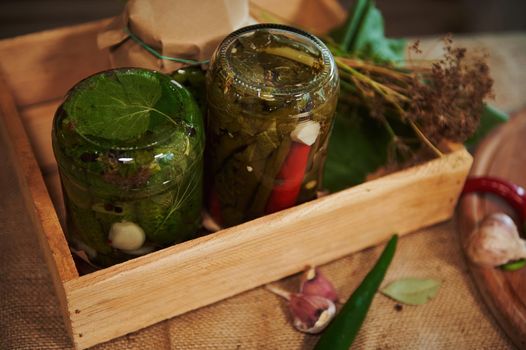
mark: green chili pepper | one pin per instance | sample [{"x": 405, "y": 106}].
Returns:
[{"x": 343, "y": 329}]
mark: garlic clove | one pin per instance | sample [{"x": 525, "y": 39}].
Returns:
[
  {"x": 311, "y": 313},
  {"x": 126, "y": 235},
  {"x": 496, "y": 241},
  {"x": 306, "y": 132},
  {"x": 313, "y": 282}
]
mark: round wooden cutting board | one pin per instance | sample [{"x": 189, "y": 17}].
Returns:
[{"x": 502, "y": 154}]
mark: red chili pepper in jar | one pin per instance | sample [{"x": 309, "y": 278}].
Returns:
[{"x": 290, "y": 177}]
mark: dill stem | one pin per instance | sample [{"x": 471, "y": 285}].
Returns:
[
  {"x": 390, "y": 95},
  {"x": 396, "y": 74},
  {"x": 384, "y": 90},
  {"x": 389, "y": 129},
  {"x": 425, "y": 140}
]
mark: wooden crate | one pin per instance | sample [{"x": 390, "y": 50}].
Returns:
[{"x": 36, "y": 70}]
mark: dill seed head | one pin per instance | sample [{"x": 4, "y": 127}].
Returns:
[{"x": 447, "y": 100}]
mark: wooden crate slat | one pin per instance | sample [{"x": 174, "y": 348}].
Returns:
[
  {"x": 127, "y": 297},
  {"x": 44, "y": 66}
]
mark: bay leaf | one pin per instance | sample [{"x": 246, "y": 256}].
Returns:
[{"x": 412, "y": 291}]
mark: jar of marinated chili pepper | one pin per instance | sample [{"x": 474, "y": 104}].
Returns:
[
  {"x": 272, "y": 92},
  {"x": 129, "y": 146}
]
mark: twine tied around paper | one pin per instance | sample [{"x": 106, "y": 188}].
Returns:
[{"x": 157, "y": 54}]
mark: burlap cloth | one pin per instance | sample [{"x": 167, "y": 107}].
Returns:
[{"x": 456, "y": 318}]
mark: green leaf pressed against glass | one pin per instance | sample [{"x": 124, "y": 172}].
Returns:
[
  {"x": 116, "y": 107},
  {"x": 167, "y": 217}
]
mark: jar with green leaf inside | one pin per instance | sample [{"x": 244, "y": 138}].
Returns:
[
  {"x": 271, "y": 92},
  {"x": 129, "y": 147}
]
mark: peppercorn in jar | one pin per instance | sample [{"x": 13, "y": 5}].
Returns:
[{"x": 272, "y": 92}]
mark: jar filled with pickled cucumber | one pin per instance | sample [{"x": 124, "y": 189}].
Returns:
[
  {"x": 129, "y": 147},
  {"x": 272, "y": 92}
]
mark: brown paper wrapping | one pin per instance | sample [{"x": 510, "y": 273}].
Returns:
[
  {"x": 193, "y": 29},
  {"x": 315, "y": 16},
  {"x": 175, "y": 28}
]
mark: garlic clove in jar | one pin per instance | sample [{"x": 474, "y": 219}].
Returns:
[
  {"x": 126, "y": 235},
  {"x": 496, "y": 241},
  {"x": 306, "y": 132}
]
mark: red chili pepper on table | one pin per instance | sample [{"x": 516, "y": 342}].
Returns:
[{"x": 513, "y": 194}]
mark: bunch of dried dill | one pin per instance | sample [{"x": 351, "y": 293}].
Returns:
[{"x": 421, "y": 104}]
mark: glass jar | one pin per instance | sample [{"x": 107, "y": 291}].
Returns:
[
  {"x": 272, "y": 92},
  {"x": 129, "y": 147}
]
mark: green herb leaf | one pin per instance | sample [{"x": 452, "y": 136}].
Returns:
[
  {"x": 412, "y": 291},
  {"x": 357, "y": 147},
  {"x": 114, "y": 106},
  {"x": 372, "y": 43},
  {"x": 490, "y": 119},
  {"x": 346, "y": 34},
  {"x": 363, "y": 35}
]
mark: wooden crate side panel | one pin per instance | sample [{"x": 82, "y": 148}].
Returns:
[
  {"x": 54, "y": 188},
  {"x": 44, "y": 66},
  {"x": 42, "y": 216},
  {"x": 38, "y": 121},
  {"x": 53, "y": 240},
  {"x": 124, "y": 298}
]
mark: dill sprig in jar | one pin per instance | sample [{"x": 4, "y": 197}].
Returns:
[
  {"x": 129, "y": 147},
  {"x": 272, "y": 92}
]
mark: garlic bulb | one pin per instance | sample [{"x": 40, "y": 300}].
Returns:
[{"x": 496, "y": 241}]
